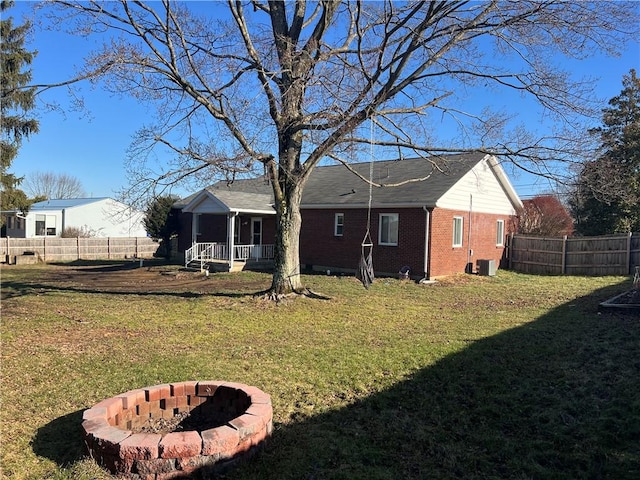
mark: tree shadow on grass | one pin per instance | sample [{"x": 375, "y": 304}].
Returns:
[
  {"x": 556, "y": 398},
  {"x": 61, "y": 440},
  {"x": 18, "y": 289}
]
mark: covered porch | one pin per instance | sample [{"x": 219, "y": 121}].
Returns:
[{"x": 230, "y": 231}]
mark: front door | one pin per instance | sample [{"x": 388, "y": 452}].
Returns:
[{"x": 256, "y": 237}]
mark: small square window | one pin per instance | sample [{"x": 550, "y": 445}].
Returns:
[
  {"x": 338, "y": 230},
  {"x": 388, "y": 230},
  {"x": 457, "y": 231}
]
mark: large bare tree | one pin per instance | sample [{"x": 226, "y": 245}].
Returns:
[
  {"x": 286, "y": 85},
  {"x": 51, "y": 185}
]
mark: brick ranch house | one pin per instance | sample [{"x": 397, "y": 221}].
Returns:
[{"x": 461, "y": 213}]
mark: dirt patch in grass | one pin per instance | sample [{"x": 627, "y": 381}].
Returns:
[{"x": 130, "y": 277}]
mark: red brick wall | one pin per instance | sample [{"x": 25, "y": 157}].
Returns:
[
  {"x": 319, "y": 246},
  {"x": 447, "y": 260}
]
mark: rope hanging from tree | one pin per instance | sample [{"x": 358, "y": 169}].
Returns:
[{"x": 365, "y": 267}]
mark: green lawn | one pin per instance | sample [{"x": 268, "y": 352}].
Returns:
[{"x": 513, "y": 376}]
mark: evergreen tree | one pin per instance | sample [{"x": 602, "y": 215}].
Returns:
[
  {"x": 17, "y": 99},
  {"x": 607, "y": 194},
  {"x": 161, "y": 222}
]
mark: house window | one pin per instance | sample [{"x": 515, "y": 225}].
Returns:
[
  {"x": 500, "y": 233},
  {"x": 388, "y": 231},
  {"x": 457, "y": 231},
  {"x": 46, "y": 225},
  {"x": 41, "y": 225},
  {"x": 11, "y": 222},
  {"x": 338, "y": 225}
]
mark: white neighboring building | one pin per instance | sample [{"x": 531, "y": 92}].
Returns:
[{"x": 102, "y": 217}]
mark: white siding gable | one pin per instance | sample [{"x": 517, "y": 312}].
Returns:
[
  {"x": 479, "y": 190},
  {"x": 207, "y": 203}
]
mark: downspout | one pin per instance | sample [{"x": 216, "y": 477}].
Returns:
[
  {"x": 469, "y": 250},
  {"x": 427, "y": 244}
]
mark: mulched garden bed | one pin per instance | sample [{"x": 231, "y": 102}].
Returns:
[{"x": 629, "y": 300}]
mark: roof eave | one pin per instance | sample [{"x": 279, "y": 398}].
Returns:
[{"x": 504, "y": 181}]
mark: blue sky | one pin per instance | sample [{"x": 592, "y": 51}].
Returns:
[{"x": 91, "y": 145}]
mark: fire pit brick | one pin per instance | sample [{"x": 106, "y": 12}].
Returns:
[
  {"x": 110, "y": 441},
  {"x": 180, "y": 445},
  {"x": 220, "y": 440}
]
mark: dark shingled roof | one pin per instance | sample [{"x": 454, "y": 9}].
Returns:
[{"x": 336, "y": 185}]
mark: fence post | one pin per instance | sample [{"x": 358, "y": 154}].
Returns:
[
  {"x": 510, "y": 251},
  {"x": 44, "y": 248},
  {"x": 629, "y": 266},
  {"x": 564, "y": 255}
]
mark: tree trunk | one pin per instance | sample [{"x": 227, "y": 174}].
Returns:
[{"x": 286, "y": 275}]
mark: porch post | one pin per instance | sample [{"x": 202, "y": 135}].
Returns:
[
  {"x": 231, "y": 224},
  {"x": 195, "y": 220}
]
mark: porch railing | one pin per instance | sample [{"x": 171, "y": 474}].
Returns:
[{"x": 204, "y": 252}]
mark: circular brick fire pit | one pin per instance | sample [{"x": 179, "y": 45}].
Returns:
[{"x": 236, "y": 421}]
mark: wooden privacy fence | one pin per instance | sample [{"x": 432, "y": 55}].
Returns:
[
  {"x": 55, "y": 249},
  {"x": 602, "y": 255}
]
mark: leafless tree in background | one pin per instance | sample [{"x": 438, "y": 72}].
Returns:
[
  {"x": 52, "y": 186},
  {"x": 283, "y": 86}
]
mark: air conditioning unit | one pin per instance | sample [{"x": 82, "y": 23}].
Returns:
[{"x": 487, "y": 267}]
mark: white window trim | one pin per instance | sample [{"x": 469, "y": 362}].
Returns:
[
  {"x": 397, "y": 221},
  {"x": 337, "y": 224},
  {"x": 500, "y": 233},
  {"x": 453, "y": 240}
]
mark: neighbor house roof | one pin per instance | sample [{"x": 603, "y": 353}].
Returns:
[
  {"x": 334, "y": 185},
  {"x": 62, "y": 203}
]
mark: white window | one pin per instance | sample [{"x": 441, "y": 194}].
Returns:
[
  {"x": 338, "y": 225},
  {"x": 457, "y": 231},
  {"x": 388, "y": 231},
  {"x": 51, "y": 225},
  {"x": 500, "y": 233}
]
